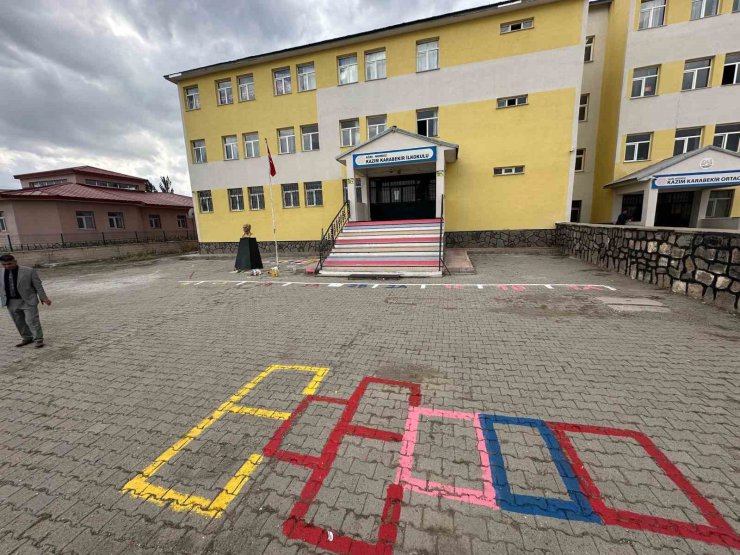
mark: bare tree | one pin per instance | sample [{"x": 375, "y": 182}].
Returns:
[{"x": 165, "y": 184}]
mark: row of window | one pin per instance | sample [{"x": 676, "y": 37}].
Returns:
[
  {"x": 696, "y": 75},
  {"x": 46, "y": 182},
  {"x": 313, "y": 195},
  {"x": 652, "y": 12},
  {"x": 86, "y": 220},
  {"x": 719, "y": 205},
  {"x": 726, "y": 136},
  {"x": 427, "y": 59}
]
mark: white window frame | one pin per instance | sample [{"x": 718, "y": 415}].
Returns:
[
  {"x": 375, "y": 129},
  {"x": 199, "y": 151},
  {"x": 714, "y": 202},
  {"x": 306, "y": 75},
  {"x": 512, "y": 101},
  {"x": 580, "y": 157},
  {"x": 114, "y": 218},
  {"x": 155, "y": 218},
  {"x": 702, "y": 11},
  {"x": 236, "y": 199},
  {"x": 375, "y": 66},
  {"x": 520, "y": 25},
  {"x": 695, "y": 72},
  {"x": 224, "y": 95},
  {"x": 246, "y": 87},
  {"x": 231, "y": 147},
  {"x": 652, "y": 19},
  {"x": 311, "y": 188},
  {"x": 312, "y": 136},
  {"x": 684, "y": 141},
  {"x": 3, "y": 224},
  {"x": 427, "y": 55},
  {"x": 349, "y": 135},
  {"x": 293, "y": 194},
  {"x": 251, "y": 145},
  {"x": 636, "y": 146},
  {"x": 725, "y": 136},
  {"x": 434, "y": 119},
  {"x": 205, "y": 202},
  {"x": 345, "y": 190},
  {"x": 508, "y": 170},
  {"x": 256, "y": 197},
  {"x": 86, "y": 218},
  {"x": 583, "y": 107},
  {"x": 192, "y": 99},
  {"x": 351, "y": 72},
  {"x": 588, "y": 54},
  {"x": 729, "y": 64},
  {"x": 281, "y": 81},
  {"x": 286, "y": 142},
  {"x": 182, "y": 221},
  {"x": 643, "y": 79}
]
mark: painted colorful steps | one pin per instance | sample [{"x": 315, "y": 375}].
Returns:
[{"x": 397, "y": 247}]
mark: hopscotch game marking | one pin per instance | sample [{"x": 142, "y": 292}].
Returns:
[{"x": 585, "y": 503}]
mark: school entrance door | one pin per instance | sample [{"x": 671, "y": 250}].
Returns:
[{"x": 403, "y": 197}]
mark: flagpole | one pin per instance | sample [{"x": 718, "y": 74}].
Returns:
[{"x": 272, "y": 208}]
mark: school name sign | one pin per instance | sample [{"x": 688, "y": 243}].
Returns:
[
  {"x": 702, "y": 179},
  {"x": 392, "y": 157}
]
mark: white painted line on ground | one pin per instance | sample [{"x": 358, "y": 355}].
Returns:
[{"x": 360, "y": 285}]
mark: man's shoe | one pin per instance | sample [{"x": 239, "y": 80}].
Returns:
[
  {"x": 39, "y": 343},
  {"x": 25, "y": 342}
]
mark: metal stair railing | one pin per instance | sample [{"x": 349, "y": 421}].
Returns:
[{"x": 328, "y": 238}]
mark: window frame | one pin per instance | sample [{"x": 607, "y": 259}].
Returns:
[
  {"x": 3, "y": 223},
  {"x": 313, "y": 137},
  {"x": 627, "y": 144},
  {"x": 248, "y": 87},
  {"x": 231, "y": 149},
  {"x": 643, "y": 80},
  {"x": 435, "y": 119},
  {"x": 652, "y": 9},
  {"x": 376, "y": 125},
  {"x": 254, "y": 144},
  {"x": 195, "y": 98},
  {"x": 345, "y": 190},
  {"x": 356, "y": 66},
  {"x": 114, "y": 217},
  {"x": 313, "y": 194},
  {"x": 283, "y": 80},
  {"x": 524, "y": 25},
  {"x": 229, "y": 92},
  {"x": 685, "y": 140},
  {"x": 577, "y": 207},
  {"x": 584, "y": 107},
  {"x": 354, "y": 136},
  {"x": 259, "y": 196},
  {"x": 713, "y": 202},
  {"x": 156, "y": 218},
  {"x": 196, "y": 149},
  {"x": 207, "y": 196},
  {"x": 235, "y": 194},
  {"x": 297, "y": 197},
  {"x": 182, "y": 219},
  {"x": 629, "y": 207},
  {"x": 425, "y": 54},
  {"x": 580, "y": 155},
  {"x": 702, "y": 10},
  {"x": 503, "y": 102},
  {"x": 310, "y": 74},
  {"x": 502, "y": 171},
  {"x": 589, "y": 49},
  {"x": 85, "y": 216},
  {"x": 729, "y": 64},
  {"x": 288, "y": 137},
  {"x": 374, "y": 64},
  {"x": 695, "y": 73},
  {"x": 726, "y": 135}
]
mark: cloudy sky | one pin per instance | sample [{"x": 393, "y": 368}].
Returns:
[{"x": 82, "y": 80}]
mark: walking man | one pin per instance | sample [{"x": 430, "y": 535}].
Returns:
[{"x": 21, "y": 291}]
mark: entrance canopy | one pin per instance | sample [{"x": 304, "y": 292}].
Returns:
[
  {"x": 397, "y": 173},
  {"x": 675, "y": 192}
]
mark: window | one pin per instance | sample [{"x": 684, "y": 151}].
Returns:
[
  {"x": 736, "y": 6},
  {"x": 345, "y": 190},
  {"x": 720, "y": 203},
  {"x": 286, "y": 138},
  {"x": 580, "y": 159},
  {"x": 281, "y": 78},
  {"x": 376, "y": 125},
  {"x": 199, "y": 151},
  {"x": 575, "y": 211},
  {"x": 256, "y": 198},
  {"x": 427, "y": 122},
  {"x": 236, "y": 200},
  {"x": 511, "y": 101},
  {"x": 583, "y": 108},
  {"x": 231, "y": 148},
  {"x": 427, "y": 55},
  {"x": 3, "y": 226},
  {"x": 347, "y": 66},
  {"x": 223, "y": 88},
  {"x": 314, "y": 195},
  {"x": 696, "y": 74},
  {"x": 638, "y": 147},
  {"x": 155, "y": 222},
  {"x": 310, "y": 137},
  {"x": 290, "y": 195},
  {"x": 727, "y": 136},
  {"x": 687, "y": 140},
  {"x": 251, "y": 145},
  {"x": 374, "y": 65},
  {"x": 731, "y": 73},
  {"x": 652, "y": 13},
  {"x": 182, "y": 221},
  {"x": 306, "y": 77},
  {"x": 508, "y": 170},
  {"x": 588, "y": 55},
  {"x": 246, "y": 87},
  {"x": 633, "y": 205},
  {"x": 350, "y": 132},
  {"x": 110, "y": 184},
  {"x": 703, "y": 8},
  {"x": 517, "y": 25},
  {"x": 645, "y": 82},
  {"x": 192, "y": 98},
  {"x": 85, "y": 220},
  {"x": 46, "y": 182},
  {"x": 115, "y": 220},
  {"x": 205, "y": 201}
]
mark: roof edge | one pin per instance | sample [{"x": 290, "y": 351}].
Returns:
[{"x": 394, "y": 129}]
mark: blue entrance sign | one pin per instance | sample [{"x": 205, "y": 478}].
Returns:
[{"x": 393, "y": 157}]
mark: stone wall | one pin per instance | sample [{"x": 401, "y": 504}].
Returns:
[
  {"x": 266, "y": 247},
  {"x": 109, "y": 252},
  {"x": 703, "y": 264},
  {"x": 507, "y": 238}
]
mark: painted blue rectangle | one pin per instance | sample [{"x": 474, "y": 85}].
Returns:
[{"x": 577, "y": 508}]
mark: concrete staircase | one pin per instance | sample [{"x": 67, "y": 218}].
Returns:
[{"x": 409, "y": 248}]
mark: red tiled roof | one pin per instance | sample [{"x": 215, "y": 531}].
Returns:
[
  {"x": 74, "y": 191},
  {"x": 90, "y": 170}
]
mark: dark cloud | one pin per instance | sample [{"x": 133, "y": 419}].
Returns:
[{"x": 82, "y": 81}]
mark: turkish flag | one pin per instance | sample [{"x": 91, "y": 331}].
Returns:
[{"x": 269, "y": 158}]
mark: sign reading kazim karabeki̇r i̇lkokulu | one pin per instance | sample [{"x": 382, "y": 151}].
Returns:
[{"x": 406, "y": 156}]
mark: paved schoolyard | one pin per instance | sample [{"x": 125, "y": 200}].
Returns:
[{"x": 541, "y": 405}]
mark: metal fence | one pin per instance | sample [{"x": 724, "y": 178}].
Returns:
[{"x": 13, "y": 243}]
